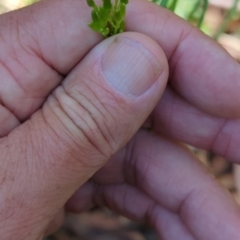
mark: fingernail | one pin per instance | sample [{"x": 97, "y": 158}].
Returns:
[{"x": 129, "y": 67}]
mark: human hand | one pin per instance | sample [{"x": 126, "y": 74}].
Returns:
[
  {"x": 154, "y": 179},
  {"x": 57, "y": 172},
  {"x": 52, "y": 143}
]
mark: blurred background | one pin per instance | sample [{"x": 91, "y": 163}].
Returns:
[{"x": 220, "y": 19}]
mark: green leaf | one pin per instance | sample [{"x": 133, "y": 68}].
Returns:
[
  {"x": 108, "y": 19},
  {"x": 95, "y": 16},
  {"x": 123, "y": 10},
  {"x": 173, "y": 5},
  {"x": 105, "y": 32},
  {"x": 164, "y": 3},
  {"x": 205, "y": 6},
  {"x": 107, "y": 4},
  {"x": 103, "y": 13},
  {"x": 91, "y": 3},
  {"x": 118, "y": 16},
  {"x": 122, "y": 26},
  {"x": 94, "y": 26},
  {"x": 124, "y": 1},
  {"x": 97, "y": 23}
]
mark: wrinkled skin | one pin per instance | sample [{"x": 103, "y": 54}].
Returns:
[{"x": 70, "y": 140}]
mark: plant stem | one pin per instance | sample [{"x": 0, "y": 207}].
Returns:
[
  {"x": 173, "y": 5},
  {"x": 164, "y": 3},
  {"x": 195, "y": 8},
  {"x": 205, "y": 6},
  {"x": 227, "y": 20}
]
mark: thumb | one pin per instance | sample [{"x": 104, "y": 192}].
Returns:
[{"x": 97, "y": 109}]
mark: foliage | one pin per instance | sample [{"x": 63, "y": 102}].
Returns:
[
  {"x": 108, "y": 19},
  {"x": 195, "y": 10},
  {"x": 229, "y": 16},
  {"x": 192, "y": 10}
]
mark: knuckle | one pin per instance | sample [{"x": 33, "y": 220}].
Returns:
[{"x": 89, "y": 124}]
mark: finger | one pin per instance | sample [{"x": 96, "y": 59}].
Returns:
[
  {"x": 131, "y": 203},
  {"x": 201, "y": 71},
  {"x": 39, "y": 45},
  {"x": 177, "y": 119},
  {"x": 96, "y": 110},
  {"x": 173, "y": 178}
]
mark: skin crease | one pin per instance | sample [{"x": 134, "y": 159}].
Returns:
[{"x": 170, "y": 189}]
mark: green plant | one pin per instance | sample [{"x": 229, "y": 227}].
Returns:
[
  {"x": 108, "y": 19},
  {"x": 227, "y": 20},
  {"x": 193, "y": 10}
]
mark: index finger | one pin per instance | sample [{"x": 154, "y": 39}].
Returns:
[
  {"x": 201, "y": 71},
  {"x": 40, "y": 44}
]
